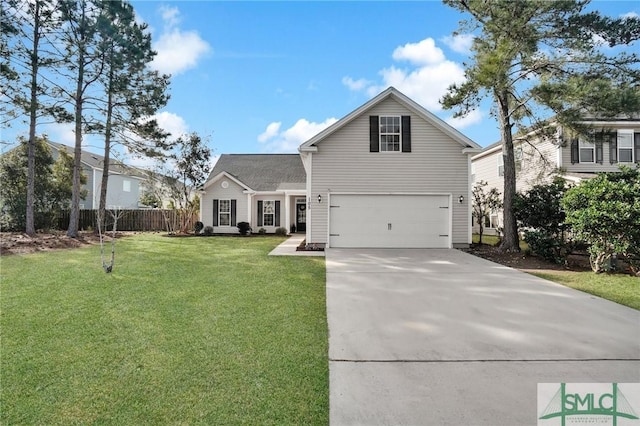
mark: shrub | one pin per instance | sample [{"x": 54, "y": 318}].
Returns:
[
  {"x": 198, "y": 227},
  {"x": 244, "y": 228},
  {"x": 262, "y": 231},
  {"x": 208, "y": 230},
  {"x": 281, "y": 231},
  {"x": 293, "y": 228},
  {"x": 544, "y": 245},
  {"x": 604, "y": 212}
]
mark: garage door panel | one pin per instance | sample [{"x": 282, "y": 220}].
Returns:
[{"x": 403, "y": 221}]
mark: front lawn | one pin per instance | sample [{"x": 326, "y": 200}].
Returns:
[
  {"x": 623, "y": 289},
  {"x": 184, "y": 331},
  {"x": 620, "y": 288}
]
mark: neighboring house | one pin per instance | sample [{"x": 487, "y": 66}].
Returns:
[
  {"x": 389, "y": 174},
  {"x": 125, "y": 186},
  {"x": 613, "y": 143},
  {"x": 265, "y": 190}
]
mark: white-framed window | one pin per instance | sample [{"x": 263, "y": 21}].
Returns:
[
  {"x": 390, "y": 134},
  {"x": 224, "y": 213},
  {"x": 518, "y": 153},
  {"x": 126, "y": 185},
  {"x": 501, "y": 164},
  {"x": 587, "y": 151},
  {"x": 268, "y": 213},
  {"x": 625, "y": 146},
  {"x": 494, "y": 220}
]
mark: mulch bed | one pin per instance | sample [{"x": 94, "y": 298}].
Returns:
[{"x": 20, "y": 243}]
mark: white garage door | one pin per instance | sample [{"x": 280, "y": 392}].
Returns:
[{"x": 393, "y": 221}]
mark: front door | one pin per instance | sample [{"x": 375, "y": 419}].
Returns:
[{"x": 301, "y": 217}]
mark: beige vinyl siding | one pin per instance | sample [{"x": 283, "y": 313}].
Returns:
[
  {"x": 343, "y": 163},
  {"x": 233, "y": 192}
]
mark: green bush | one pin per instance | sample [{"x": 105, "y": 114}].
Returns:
[
  {"x": 244, "y": 228},
  {"x": 262, "y": 231},
  {"x": 605, "y": 212},
  {"x": 281, "y": 231},
  {"x": 208, "y": 230},
  {"x": 198, "y": 227},
  {"x": 548, "y": 247}
]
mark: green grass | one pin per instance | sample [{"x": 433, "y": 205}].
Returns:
[
  {"x": 623, "y": 289},
  {"x": 184, "y": 331}
]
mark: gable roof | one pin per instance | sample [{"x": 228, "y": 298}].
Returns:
[
  {"x": 392, "y": 92},
  {"x": 96, "y": 161},
  {"x": 262, "y": 172}
]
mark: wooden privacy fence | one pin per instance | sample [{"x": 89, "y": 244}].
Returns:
[{"x": 129, "y": 220}]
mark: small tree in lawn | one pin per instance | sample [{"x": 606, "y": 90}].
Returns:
[
  {"x": 605, "y": 212},
  {"x": 192, "y": 163},
  {"x": 483, "y": 204}
]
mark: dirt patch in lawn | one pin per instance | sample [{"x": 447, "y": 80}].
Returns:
[
  {"x": 18, "y": 243},
  {"x": 528, "y": 262}
]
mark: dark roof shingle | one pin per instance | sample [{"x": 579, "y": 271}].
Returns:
[{"x": 262, "y": 172}]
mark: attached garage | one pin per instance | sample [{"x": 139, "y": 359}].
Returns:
[{"x": 389, "y": 221}]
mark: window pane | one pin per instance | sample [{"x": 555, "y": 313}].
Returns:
[
  {"x": 268, "y": 219},
  {"x": 268, "y": 207},
  {"x": 625, "y": 140},
  {"x": 225, "y": 219},
  {"x": 625, "y": 155},
  {"x": 225, "y": 206},
  {"x": 586, "y": 155}
]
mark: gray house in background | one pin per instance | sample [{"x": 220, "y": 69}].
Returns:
[
  {"x": 126, "y": 183},
  {"x": 613, "y": 142},
  {"x": 265, "y": 190}
]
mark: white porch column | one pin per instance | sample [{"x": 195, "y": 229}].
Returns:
[
  {"x": 249, "y": 209},
  {"x": 287, "y": 211}
]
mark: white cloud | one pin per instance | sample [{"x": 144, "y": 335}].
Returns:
[
  {"x": 426, "y": 81},
  {"x": 178, "y": 50},
  {"x": 422, "y": 53},
  {"x": 355, "y": 85},
  {"x": 271, "y": 132},
  {"x": 630, "y": 15},
  {"x": 288, "y": 140},
  {"x": 170, "y": 16},
  {"x": 474, "y": 117},
  {"x": 171, "y": 123},
  {"x": 460, "y": 43}
]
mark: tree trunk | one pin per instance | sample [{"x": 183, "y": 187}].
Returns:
[
  {"x": 107, "y": 148},
  {"x": 510, "y": 241},
  {"x": 74, "y": 214},
  {"x": 33, "y": 106}
]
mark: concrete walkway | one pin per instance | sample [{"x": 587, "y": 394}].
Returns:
[
  {"x": 440, "y": 337},
  {"x": 288, "y": 248}
]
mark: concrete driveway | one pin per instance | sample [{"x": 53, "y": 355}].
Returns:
[{"x": 421, "y": 337}]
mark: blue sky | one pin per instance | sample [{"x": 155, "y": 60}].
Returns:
[{"x": 265, "y": 76}]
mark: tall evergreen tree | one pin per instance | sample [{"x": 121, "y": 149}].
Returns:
[
  {"x": 31, "y": 25},
  {"x": 132, "y": 92},
  {"x": 536, "y": 58}
]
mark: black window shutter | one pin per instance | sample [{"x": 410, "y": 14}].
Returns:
[
  {"x": 233, "y": 212},
  {"x": 575, "y": 153},
  {"x": 406, "y": 133},
  {"x": 374, "y": 137},
  {"x": 277, "y": 218},
  {"x": 215, "y": 212},
  {"x": 599, "y": 150},
  {"x": 613, "y": 148},
  {"x": 636, "y": 146},
  {"x": 260, "y": 221}
]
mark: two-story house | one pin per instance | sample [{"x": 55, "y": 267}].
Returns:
[{"x": 611, "y": 143}]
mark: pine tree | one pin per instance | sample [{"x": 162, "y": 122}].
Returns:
[{"x": 537, "y": 58}]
